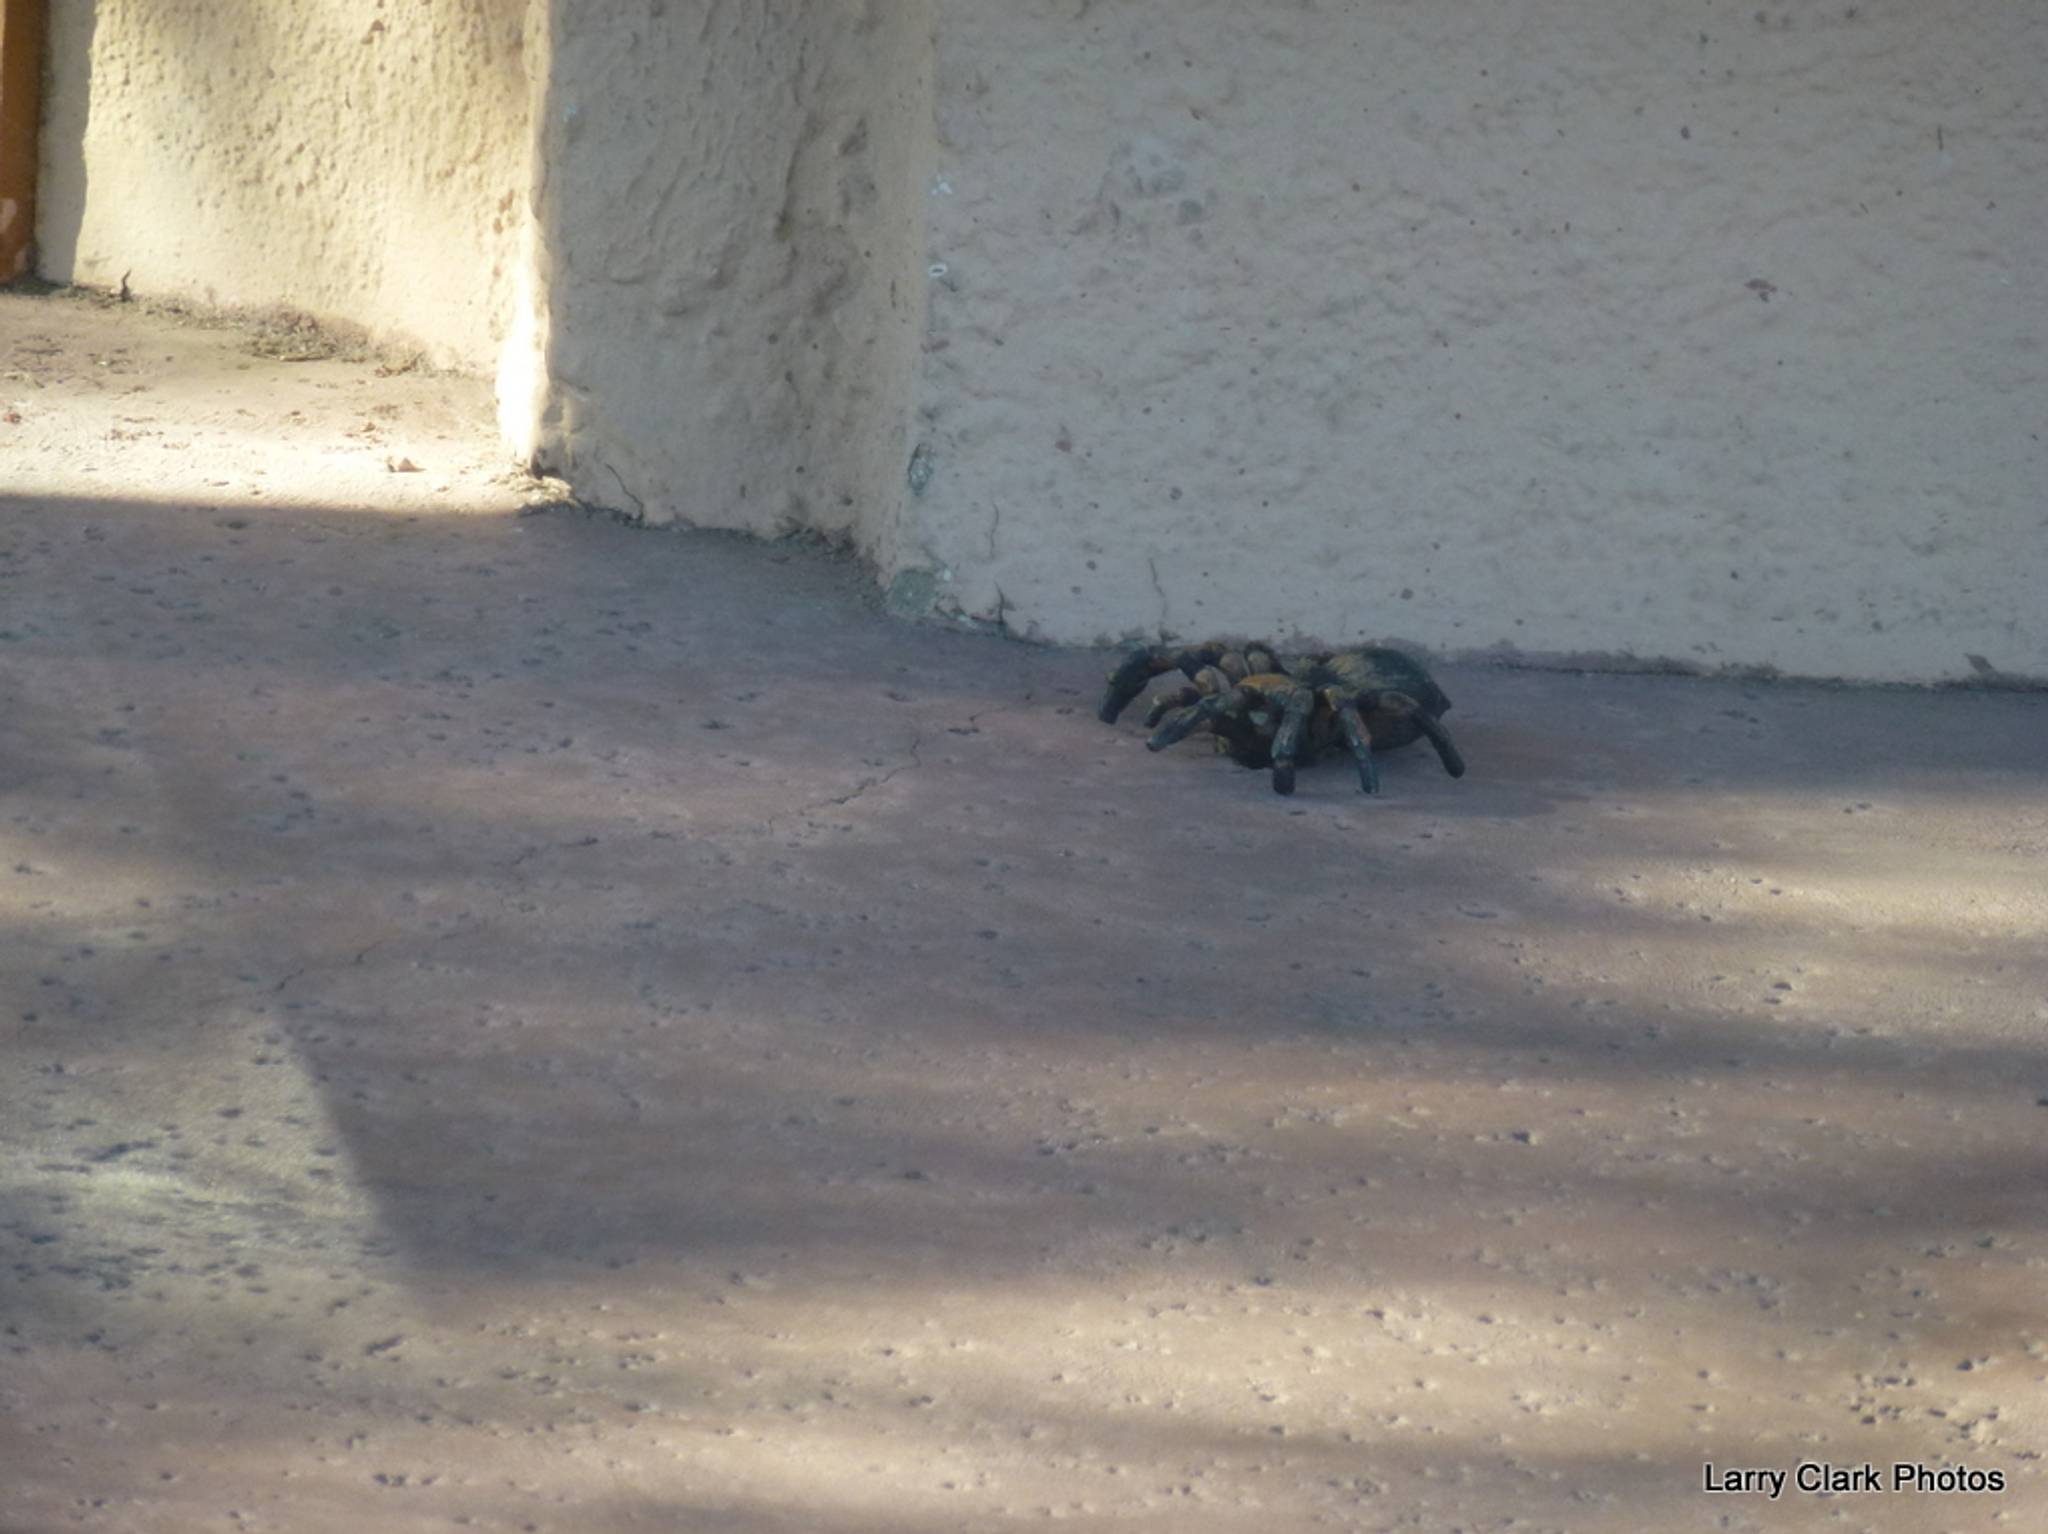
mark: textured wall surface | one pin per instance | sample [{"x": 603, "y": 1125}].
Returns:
[
  {"x": 1654, "y": 329},
  {"x": 730, "y": 221},
  {"x": 1645, "y": 331},
  {"x": 356, "y": 159}
]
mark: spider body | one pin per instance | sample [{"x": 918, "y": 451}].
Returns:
[{"x": 1371, "y": 699}]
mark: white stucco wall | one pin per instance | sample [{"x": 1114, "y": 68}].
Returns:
[
  {"x": 1643, "y": 331},
  {"x": 730, "y": 217},
  {"x": 356, "y": 159},
  {"x": 1646, "y": 329}
]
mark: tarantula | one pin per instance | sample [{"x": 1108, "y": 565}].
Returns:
[{"x": 1268, "y": 711}]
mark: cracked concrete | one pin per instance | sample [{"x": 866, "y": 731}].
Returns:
[
  {"x": 866, "y": 784},
  {"x": 449, "y": 1083}
]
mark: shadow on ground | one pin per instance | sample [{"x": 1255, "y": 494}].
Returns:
[{"x": 518, "y": 1020}]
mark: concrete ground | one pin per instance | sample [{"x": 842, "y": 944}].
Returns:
[{"x": 509, "y": 1022}]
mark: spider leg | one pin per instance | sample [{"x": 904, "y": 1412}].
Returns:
[
  {"x": 1440, "y": 737},
  {"x": 1180, "y": 726},
  {"x": 1353, "y": 728},
  {"x": 1166, "y": 702},
  {"x": 1431, "y": 730},
  {"x": 1207, "y": 682},
  {"x": 1131, "y": 677},
  {"x": 1300, "y": 702},
  {"x": 1137, "y": 669}
]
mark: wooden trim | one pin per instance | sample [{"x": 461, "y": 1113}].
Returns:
[{"x": 21, "y": 90}]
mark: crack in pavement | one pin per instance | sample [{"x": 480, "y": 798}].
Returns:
[
  {"x": 868, "y": 785},
  {"x": 863, "y": 787}
]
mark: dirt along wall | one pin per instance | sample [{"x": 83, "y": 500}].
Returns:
[
  {"x": 367, "y": 162},
  {"x": 1657, "y": 329}
]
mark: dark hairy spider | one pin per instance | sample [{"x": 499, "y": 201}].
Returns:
[{"x": 1292, "y": 710}]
